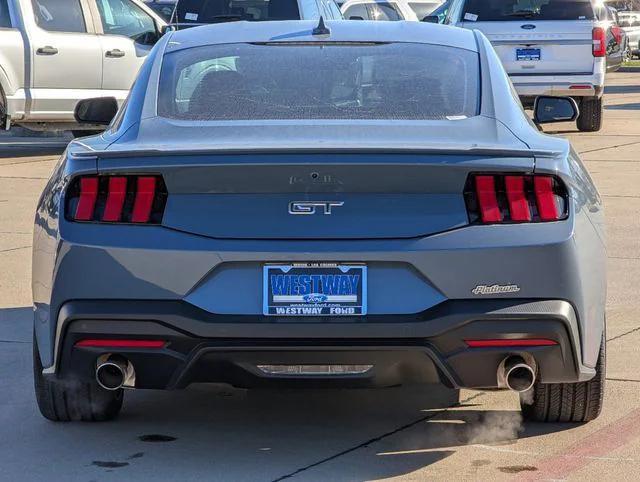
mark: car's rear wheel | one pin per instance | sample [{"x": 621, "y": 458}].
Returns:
[
  {"x": 567, "y": 402},
  {"x": 590, "y": 118},
  {"x": 64, "y": 400}
]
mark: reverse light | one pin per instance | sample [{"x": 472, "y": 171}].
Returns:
[
  {"x": 599, "y": 36},
  {"x": 515, "y": 198},
  {"x": 116, "y": 199}
]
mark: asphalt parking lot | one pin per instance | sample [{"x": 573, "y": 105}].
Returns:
[{"x": 217, "y": 433}]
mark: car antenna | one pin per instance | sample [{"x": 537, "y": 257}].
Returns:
[{"x": 321, "y": 28}]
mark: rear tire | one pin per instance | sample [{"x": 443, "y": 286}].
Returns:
[
  {"x": 567, "y": 402},
  {"x": 590, "y": 118},
  {"x": 63, "y": 400}
]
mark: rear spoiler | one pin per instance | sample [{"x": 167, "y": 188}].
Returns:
[{"x": 473, "y": 151}]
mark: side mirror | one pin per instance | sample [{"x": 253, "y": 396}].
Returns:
[
  {"x": 431, "y": 19},
  {"x": 355, "y": 17},
  {"x": 548, "y": 109},
  {"x": 99, "y": 111},
  {"x": 168, "y": 28}
]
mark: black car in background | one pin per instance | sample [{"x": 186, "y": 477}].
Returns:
[{"x": 164, "y": 8}]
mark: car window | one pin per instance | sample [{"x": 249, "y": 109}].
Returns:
[
  {"x": 345, "y": 81},
  {"x": 423, "y": 9},
  {"x": 385, "y": 11},
  {"x": 358, "y": 10},
  {"x": 123, "y": 17},
  {"x": 59, "y": 15},
  {"x": 5, "y": 18},
  {"x": 310, "y": 9},
  {"x": 505, "y": 10},
  {"x": 335, "y": 10},
  {"x": 165, "y": 10},
  {"x": 213, "y": 11}
]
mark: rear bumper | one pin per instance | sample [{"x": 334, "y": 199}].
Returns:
[
  {"x": 580, "y": 85},
  {"x": 423, "y": 348}
]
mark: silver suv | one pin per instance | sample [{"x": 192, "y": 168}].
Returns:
[{"x": 548, "y": 47}]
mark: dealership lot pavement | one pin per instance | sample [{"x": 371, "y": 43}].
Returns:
[{"x": 214, "y": 433}]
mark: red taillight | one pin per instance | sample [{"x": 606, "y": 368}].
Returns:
[
  {"x": 510, "y": 342},
  {"x": 144, "y": 199},
  {"x": 617, "y": 34},
  {"x": 509, "y": 198},
  {"x": 104, "y": 343},
  {"x": 518, "y": 204},
  {"x": 87, "y": 198},
  {"x": 599, "y": 37},
  {"x": 117, "y": 199},
  {"x": 486, "y": 190},
  {"x": 545, "y": 198}
]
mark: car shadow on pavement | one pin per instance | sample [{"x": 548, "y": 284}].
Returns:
[{"x": 234, "y": 434}]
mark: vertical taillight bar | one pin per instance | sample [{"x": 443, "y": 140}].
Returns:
[
  {"x": 487, "y": 200},
  {"x": 545, "y": 198},
  {"x": 117, "y": 191},
  {"x": 599, "y": 37},
  {"x": 518, "y": 203},
  {"x": 145, "y": 194},
  {"x": 87, "y": 198}
]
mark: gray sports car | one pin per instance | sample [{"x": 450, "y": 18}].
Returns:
[{"x": 306, "y": 204}]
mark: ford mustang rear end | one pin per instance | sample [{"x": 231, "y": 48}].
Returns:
[{"x": 282, "y": 206}]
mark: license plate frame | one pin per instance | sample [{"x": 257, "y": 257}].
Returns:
[
  {"x": 528, "y": 54},
  {"x": 292, "y": 296}
]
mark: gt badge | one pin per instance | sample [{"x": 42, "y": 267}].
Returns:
[{"x": 311, "y": 207}]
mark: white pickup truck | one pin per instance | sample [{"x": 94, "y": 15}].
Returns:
[{"x": 56, "y": 52}]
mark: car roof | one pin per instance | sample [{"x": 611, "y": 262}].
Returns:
[{"x": 341, "y": 31}]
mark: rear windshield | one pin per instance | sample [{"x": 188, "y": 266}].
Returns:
[
  {"x": 319, "y": 81},
  {"x": 214, "y": 11},
  {"x": 501, "y": 10}
]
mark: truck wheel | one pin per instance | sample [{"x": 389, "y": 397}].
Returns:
[
  {"x": 62, "y": 400},
  {"x": 567, "y": 402},
  {"x": 590, "y": 118}
]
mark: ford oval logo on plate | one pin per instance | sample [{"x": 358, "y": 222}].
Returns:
[{"x": 528, "y": 26}]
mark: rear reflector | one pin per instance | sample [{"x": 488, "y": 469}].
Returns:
[
  {"x": 510, "y": 343},
  {"x": 580, "y": 87},
  {"x": 599, "y": 37},
  {"x": 122, "y": 343},
  {"x": 486, "y": 190},
  {"x": 116, "y": 199},
  {"x": 87, "y": 198},
  {"x": 513, "y": 198}
]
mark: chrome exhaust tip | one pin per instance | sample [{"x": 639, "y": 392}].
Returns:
[
  {"x": 114, "y": 372},
  {"x": 517, "y": 375}
]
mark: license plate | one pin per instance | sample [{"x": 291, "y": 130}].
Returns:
[
  {"x": 527, "y": 54},
  {"x": 314, "y": 289}
]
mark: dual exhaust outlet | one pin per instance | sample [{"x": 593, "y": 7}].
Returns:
[{"x": 114, "y": 372}]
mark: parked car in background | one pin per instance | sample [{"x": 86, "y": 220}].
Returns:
[
  {"x": 618, "y": 55},
  {"x": 191, "y": 13},
  {"x": 630, "y": 23},
  {"x": 57, "y": 52},
  {"x": 412, "y": 10},
  {"x": 548, "y": 47},
  {"x": 164, "y": 8}
]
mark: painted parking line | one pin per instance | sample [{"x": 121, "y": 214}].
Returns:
[{"x": 593, "y": 447}]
